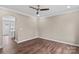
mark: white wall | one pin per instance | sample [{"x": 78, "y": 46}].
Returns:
[
  {"x": 25, "y": 26},
  {"x": 64, "y": 28}
]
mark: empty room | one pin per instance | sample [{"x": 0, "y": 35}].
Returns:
[{"x": 39, "y": 29}]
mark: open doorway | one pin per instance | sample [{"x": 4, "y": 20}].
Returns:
[{"x": 8, "y": 34}]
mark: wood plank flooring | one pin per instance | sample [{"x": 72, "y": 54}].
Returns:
[
  {"x": 42, "y": 46},
  {"x": 38, "y": 46},
  {"x": 0, "y": 50}
]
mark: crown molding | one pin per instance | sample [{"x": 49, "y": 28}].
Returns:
[
  {"x": 15, "y": 11},
  {"x": 22, "y": 13},
  {"x": 62, "y": 13}
]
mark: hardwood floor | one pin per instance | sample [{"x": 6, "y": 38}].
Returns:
[
  {"x": 0, "y": 50},
  {"x": 9, "y": 46},
  {"x": 42, "y": 46},
  {"x": 38, "y": 46}
]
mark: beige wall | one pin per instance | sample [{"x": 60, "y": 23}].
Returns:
[
  {"x": 25, "y": 26},
  {"x": 60, "y": 28},
  {"x": 64, "y": 28}
]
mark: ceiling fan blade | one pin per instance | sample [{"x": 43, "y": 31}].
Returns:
[
  {"x": 32, "y": 7},
  {"x": 44, "y": 9}
]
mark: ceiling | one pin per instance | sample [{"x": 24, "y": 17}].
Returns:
[{"x": 54, "y": 9}]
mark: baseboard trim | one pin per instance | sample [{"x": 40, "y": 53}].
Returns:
[
  {"x": 73, "y": 44},
  {"x": 26, "y": 40},
  {"x": 50, "y": 40}
]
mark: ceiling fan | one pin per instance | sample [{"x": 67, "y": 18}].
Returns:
[{"x": 38, "y": 9}]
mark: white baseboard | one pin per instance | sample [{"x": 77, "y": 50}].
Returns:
[
  {"x": 61, "y": 41},
  {"x": 26, "y": 40},
  {"x": 50, "y": 40}
]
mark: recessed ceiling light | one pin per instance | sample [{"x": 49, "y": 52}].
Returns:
[{"x": 68, "y": 6}]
